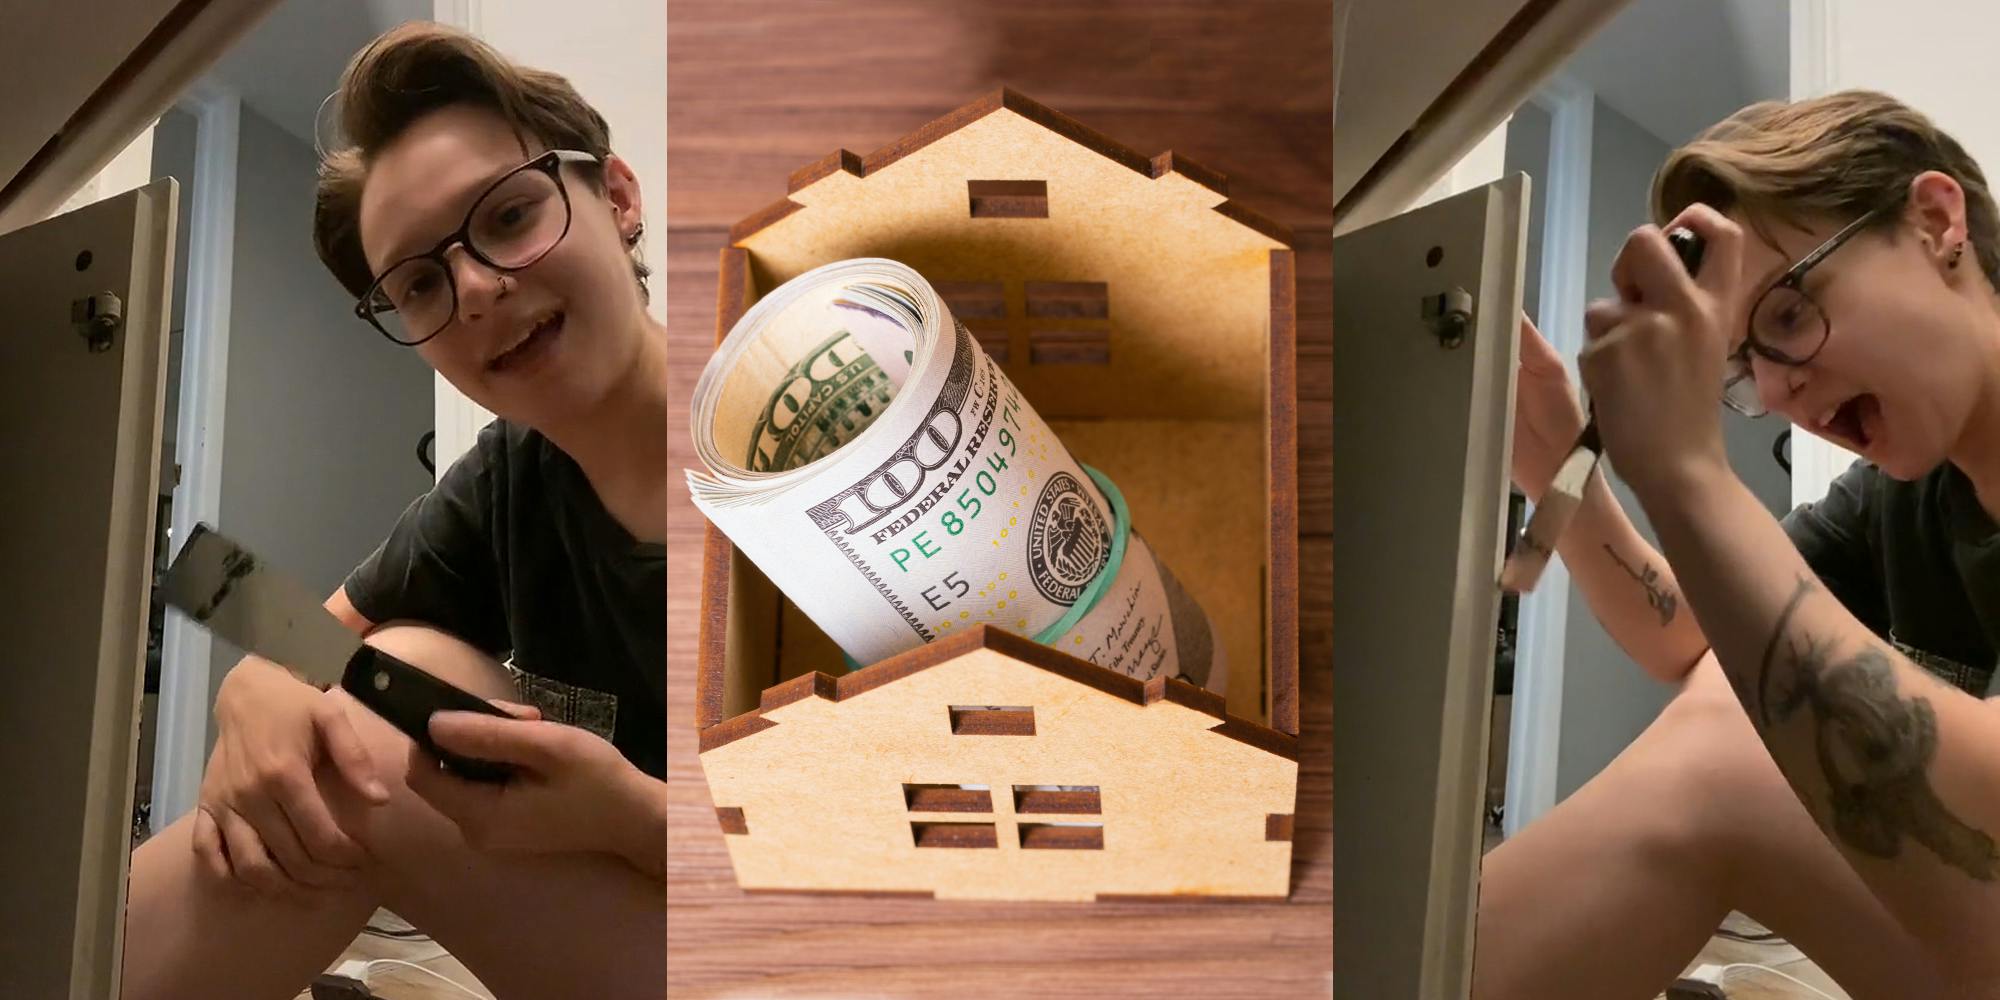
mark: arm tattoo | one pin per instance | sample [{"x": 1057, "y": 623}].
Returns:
[
  {"x": 1874, "y": 747},
  {"x": 1658, "y": 595}
]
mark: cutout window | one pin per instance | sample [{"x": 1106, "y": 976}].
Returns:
[
  {"x": 1069, "y": 347},
  {"x": 1062, "y": 836},
  {"x": 731, "y": 818},
  {"x": 948, "y": 798},
  {"x": 992, "y": 720},
  {"x": 1278, "y": 826},
  {"x": 992, "y": 338},
  {"x": 982, "y": 307},
  {"x": 1085, "y": 339},
  {"x": 974, "y": 299},
  {"x": 1068, "y": 299},
  {"x": 1076, "y": 799},
  {"x": 954, "y": 835},
  {"x": 1008, "y": 199}
]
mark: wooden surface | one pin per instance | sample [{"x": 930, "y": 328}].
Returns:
[
  {"x": 1183, "y": 805},
  {"x": 758, "y": 89}
]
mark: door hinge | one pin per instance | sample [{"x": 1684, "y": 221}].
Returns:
[
  {"x": 97, "y": 319},
  {"x": 1449, "y": 316}
]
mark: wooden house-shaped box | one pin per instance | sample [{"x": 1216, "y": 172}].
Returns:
[{"x": 1149, "y": 320}]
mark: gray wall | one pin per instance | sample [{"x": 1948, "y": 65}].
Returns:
[
  {"x": 323, "y": 414},
  {"x": 1528, "y": 153},
  {"x": 1607, "y": 699}
]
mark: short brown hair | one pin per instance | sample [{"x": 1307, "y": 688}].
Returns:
[
  {"x": 1829, "y": 159},
  {"x": 417, "y": 68}
]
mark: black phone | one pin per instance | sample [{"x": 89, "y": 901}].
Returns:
[{"x": 407, "y": 697}]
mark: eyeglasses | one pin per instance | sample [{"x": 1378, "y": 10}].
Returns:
[
  {"x": 514, "y": 223},
  {"x": 1786, "y": 326}
]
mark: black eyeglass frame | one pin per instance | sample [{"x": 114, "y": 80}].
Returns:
[
  {"x": 1793, "y": 280},
  {"x": 549, "y": 163}
]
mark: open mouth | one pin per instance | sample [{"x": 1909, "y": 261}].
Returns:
[
  {"x": 532, "y": 345},
  {"x": 1850, "y": 422}
]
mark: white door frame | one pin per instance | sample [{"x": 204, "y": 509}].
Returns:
[
  {"x": 1535, "y": 727},
  {"x": 1816, "y": 462},
  {"x": 457, "y": 420},
  {"x": 180, "y": 749}
]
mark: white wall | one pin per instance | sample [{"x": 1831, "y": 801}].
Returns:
[
  {"x": 1526, "y": 150},
  {"x": 615, "y": 53},
  {"x": 323, "y": 414}
]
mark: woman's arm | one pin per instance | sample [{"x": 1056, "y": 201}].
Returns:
[
  {"x": 1629, "y": 587},
  {"x": 1896, "y": 766}
]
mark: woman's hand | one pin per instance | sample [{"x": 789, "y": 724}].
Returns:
[
  {"x": 1547, "y": 418},
  {"x": 1654, "y": 364},
  {"x": 262, "y": 816},
  {"x": 570, "y": 791}
]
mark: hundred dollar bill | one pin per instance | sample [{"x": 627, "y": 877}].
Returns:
[{"x": 882, "y": 471}]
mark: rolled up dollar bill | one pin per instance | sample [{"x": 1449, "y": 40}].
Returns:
[{"x": 886, "y": 476}]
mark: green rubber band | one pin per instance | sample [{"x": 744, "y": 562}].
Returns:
[{"x": 1121, "y": 528}]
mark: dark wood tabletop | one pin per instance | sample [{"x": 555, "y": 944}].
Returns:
[{"x": 759, "y": 88}]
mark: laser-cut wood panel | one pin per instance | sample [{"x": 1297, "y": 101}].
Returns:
[
  {"x": 1182, "y": 800},
  {"x": 1191, "y": 369}
]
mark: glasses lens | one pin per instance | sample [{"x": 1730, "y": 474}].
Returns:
[
  {"x": 518, "y": 221},
  {"x": 1739, "y": 385},
  {"x": 412, "y": 302},
  {"x": 1788, "y": 325}
]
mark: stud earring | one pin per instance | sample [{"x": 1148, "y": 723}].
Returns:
[{"x": 1956, "y": 252}]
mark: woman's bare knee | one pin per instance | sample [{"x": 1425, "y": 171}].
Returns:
[
  {"x": 1696, "y": 768},
  {"x": 406, "y": 834},
  {"x": 446, "y": 657}
]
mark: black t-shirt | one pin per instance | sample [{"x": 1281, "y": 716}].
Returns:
[
  {"x": 513, "y": 552},
  {"x": 1917, "y": 562}
]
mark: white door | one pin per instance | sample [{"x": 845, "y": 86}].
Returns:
[
  {"x": 80, "y": 404},
  {"x": 1422, "y": 431}
]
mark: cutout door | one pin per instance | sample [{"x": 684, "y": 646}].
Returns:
[
  {"x": 1426, "y": 314},
  {"x": 80, "y": 402}
]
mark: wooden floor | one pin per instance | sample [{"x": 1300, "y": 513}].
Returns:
[{"x": 758, "y": 88}]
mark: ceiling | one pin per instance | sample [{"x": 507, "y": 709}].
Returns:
[
  {"x": 51, "y": 62},
  {"x": 1673, "y": 66},
  {"x": 1382, "y": 88},
  {"x": 293, "y": 59},
  {"x": 1678, "y": 66}
]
